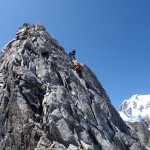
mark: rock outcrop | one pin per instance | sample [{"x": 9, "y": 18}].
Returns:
[{"x": 45, "y": 105}]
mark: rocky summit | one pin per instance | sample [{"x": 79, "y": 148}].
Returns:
[{"x": 45, "y": 104}]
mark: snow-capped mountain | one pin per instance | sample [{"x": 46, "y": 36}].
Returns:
[
  {"x": 136, "y": 114},
  {"x": 136, "y": 109}
]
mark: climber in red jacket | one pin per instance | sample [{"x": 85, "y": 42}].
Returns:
[{"x": 78, "y": 68}]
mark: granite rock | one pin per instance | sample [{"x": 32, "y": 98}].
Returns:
[{"x": 45, "y": 105}]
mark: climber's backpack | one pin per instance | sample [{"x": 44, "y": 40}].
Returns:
[{"x": 77, "y": 67}]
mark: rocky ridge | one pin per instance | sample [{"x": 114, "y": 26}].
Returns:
[{"x": 45, "y": 105}]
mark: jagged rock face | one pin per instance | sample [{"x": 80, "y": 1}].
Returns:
[
  {"x": 45, "y": 105},
  {"x": 141, "y": 129}
]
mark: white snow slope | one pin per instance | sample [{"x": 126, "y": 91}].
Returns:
[{"x": 136, "y": 109}]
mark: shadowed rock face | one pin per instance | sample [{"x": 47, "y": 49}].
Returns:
[
  {"x": 141, "y": 129},
  {"x": 45, "y": 105}
]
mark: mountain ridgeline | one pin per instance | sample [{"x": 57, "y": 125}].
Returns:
[{"x": 46, "y": 105}]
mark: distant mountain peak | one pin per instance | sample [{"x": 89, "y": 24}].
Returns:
[
  {"x": 135, "y": 111},
  {"x": 137, "y": 108}
]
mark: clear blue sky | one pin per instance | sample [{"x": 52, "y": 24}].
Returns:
[{"x": 112, "y": 37}]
